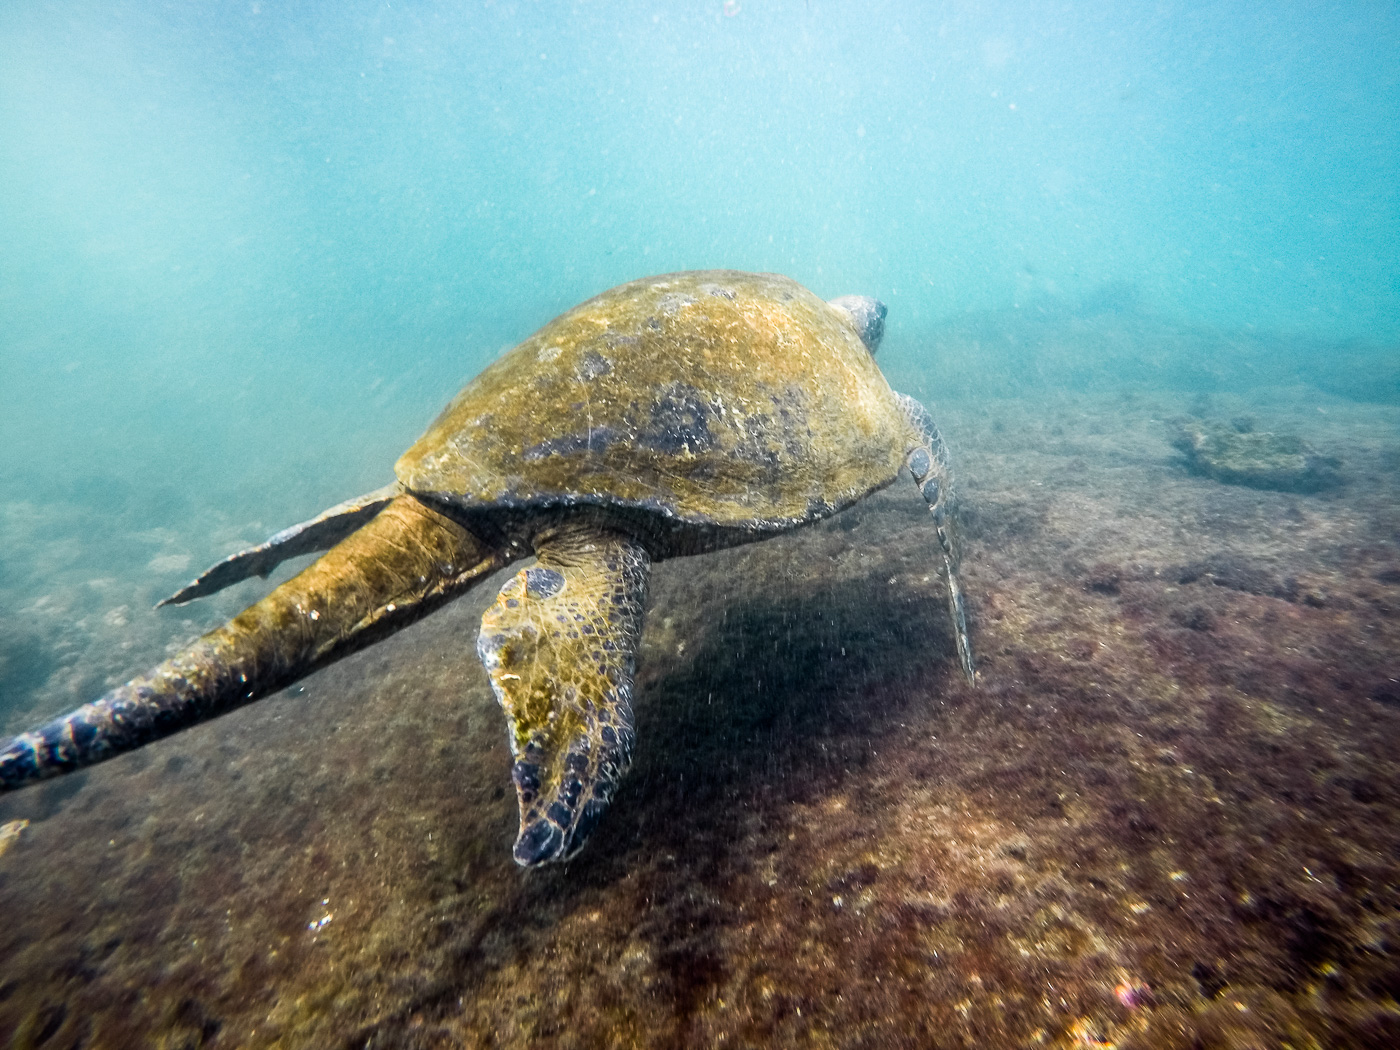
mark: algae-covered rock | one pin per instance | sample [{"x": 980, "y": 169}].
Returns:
[{"x": 1239, "y": 455}]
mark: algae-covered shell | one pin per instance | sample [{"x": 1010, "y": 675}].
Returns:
[{"x": 711, "y": 397}]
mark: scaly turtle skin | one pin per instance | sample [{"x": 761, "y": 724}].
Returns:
[{"x": 670, "y": 416}]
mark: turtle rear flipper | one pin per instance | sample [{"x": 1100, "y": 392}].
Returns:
[
  {"x": 927, "y": 459},
  {"x": 320, "y": 533},
  {"x": 560, "y": 646}
]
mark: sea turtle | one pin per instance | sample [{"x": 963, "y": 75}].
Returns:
[{"x": 670, "y": 416}]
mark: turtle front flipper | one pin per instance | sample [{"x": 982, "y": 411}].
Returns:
[
  {"x": 928, "y": 461},
  {"x": 407, "y": 561},
  {"x": 560, "y": 646},
  {"x": 320, "y": 533}
]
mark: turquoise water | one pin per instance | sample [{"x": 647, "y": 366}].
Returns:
[
  {"x": 243, "y": 232},
  {"x": 249, "y": 249}
]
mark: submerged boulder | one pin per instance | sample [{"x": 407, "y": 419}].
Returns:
[{"x": 1240, "y": 455}]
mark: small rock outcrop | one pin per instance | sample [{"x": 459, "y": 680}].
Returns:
[{"x": 1239, "y": 455}]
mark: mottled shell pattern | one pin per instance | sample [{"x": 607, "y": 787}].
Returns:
[{"x": 713, "y": 397}]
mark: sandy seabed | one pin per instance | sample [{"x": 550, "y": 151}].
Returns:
[{"x": 1168, "y": 814}]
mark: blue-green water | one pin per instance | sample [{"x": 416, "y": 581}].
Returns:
[
  {"x": 244, "y": 233},
  {"x": 249, "y": 249}
]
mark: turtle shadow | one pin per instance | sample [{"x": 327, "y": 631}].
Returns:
[
  {"x": 781, "y": 700},
  {"x": 776, "y": 702}
]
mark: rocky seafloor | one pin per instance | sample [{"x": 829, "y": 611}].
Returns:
[{"x": 1168, "y": 814}]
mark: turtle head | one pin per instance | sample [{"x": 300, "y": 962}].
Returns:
[{"x": 867, "y": 316}]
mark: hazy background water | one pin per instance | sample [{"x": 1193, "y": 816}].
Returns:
[{"x": 247, "y": 250}]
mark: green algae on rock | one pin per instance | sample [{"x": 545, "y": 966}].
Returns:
[{"x": 1239, "y": 455}]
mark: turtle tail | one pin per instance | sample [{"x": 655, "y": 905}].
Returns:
[{"x": 406, "y": 562}]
